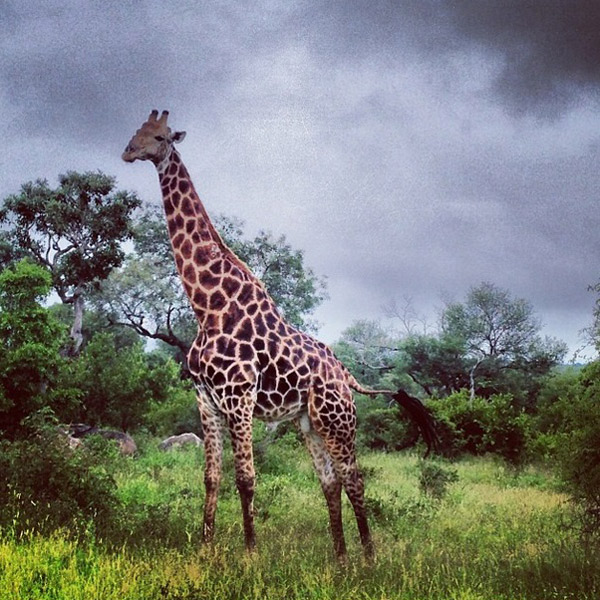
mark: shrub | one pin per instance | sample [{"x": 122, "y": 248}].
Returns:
[
  {"x": 174, "y": 415},
  {"x": 434, "y": 479},
  {"x": 495, "y": 425},
  {"x": 29, "y": 353},
  {"x": 46, "y": 485},
  {"x": 579, "y": 454},
  {"x": 385, "y": 429}
]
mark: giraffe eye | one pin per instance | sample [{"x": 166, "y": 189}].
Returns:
[{"x": 159, "y": 138}]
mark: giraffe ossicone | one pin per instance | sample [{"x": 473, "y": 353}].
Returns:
[{"x": 248, "y": 362}]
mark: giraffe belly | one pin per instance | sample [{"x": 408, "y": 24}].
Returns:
[{"x": 274, "y": 406}]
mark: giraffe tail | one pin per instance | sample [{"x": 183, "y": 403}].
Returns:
[{"x": 421, "y": 415}]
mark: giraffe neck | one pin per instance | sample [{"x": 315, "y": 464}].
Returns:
[{"x": 204, "y": 262}]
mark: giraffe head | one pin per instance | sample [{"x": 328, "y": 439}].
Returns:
[{"x": 152, "y": 140}]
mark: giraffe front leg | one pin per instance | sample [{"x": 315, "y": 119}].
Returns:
[
  {"x": 240, "y": 428},
  {"x": 212, "y": 425}
]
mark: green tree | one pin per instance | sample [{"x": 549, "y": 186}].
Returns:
[
  {"x": 579, "y": 447},
  {"x": 74, "y": 230},
  {"x": 368, "y": 350},
  {"x": 30, "y": 362},
  {"x": 437, "y": 364},
  {"x": 119, "y": 383},
  {"x": 501, "y": 338},
  {"x": 594, "y": 330},
  {"x": 146, "y": 293}
]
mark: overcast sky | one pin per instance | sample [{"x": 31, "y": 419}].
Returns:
[{"x": 411, "y": 148}]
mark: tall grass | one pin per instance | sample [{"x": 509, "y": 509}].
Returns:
[{"x": 495, "y": 534}]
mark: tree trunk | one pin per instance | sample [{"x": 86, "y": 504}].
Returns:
[
  {"x": 76, "y": 334},
  {"x": 472, "y": 381}
]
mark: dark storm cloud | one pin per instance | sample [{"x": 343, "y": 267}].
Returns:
[
  {"x": 74, "y": 65},
  {"x": 550, "y": 49},
  {"x": 543, "y": 54}
]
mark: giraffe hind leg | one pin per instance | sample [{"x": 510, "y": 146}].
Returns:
[
  {"x": 355, "y": 490},
  {"x": 339, "y": 441},
  {"x": 331, "y": 486}
]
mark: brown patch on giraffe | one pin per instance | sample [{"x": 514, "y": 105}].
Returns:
[
  {"x": 208, "y": 281},
  {"x": 245, "y": 331},
  {"x": 230, "y": 286},
  {"x": 186, "y": 206},
  {"x": 231, "y": 319},
  {"x": 226, "y": 346},
  {"x": 169, "y": 206},
  {"x": 248, "y": 293},
  {"x": 186, "y": 249},
  {"x": 245, "y": 352},
  {"x": 216, "y": 267},
  {"x": 189, "y": 274},
  {"x": 217, "y": 301},
  {"x": 259, "y": 344},
  {"x": 259, "y": 325},
  {"x": 273, "y": 346}
]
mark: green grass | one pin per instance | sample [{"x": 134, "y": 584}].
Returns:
[{"x": 496, "y": 535}]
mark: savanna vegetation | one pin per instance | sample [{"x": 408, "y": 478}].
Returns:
[{"x": 509, "y": 506}]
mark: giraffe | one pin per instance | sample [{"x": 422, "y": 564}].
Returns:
[{"x": 248, "y": 362}]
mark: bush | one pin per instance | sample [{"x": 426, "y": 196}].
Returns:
[
  {"x": 579, "y": 454},
  {"x": 385, "y": 428},
  {"x": 29, "y": 353},
  {"x": 495, "y": 425},
  {"x": 46, "y": 485},
  {"x": 434, "y": 479},
  {"x": 176, "y": 414}
]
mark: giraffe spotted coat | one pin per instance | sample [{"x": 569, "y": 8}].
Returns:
[{"x": 247, "y": 361}]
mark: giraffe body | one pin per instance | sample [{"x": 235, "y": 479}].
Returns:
[{"x": 248, "y": 362}]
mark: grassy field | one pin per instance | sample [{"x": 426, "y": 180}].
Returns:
[{"x": 495, "y": 534}]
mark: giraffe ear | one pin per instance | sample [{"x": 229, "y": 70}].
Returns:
[{"x": 178, "y": 136}]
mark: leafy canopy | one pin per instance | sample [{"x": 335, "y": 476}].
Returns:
[{"x": 31, "y": 338}]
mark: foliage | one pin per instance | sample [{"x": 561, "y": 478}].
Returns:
[
  {"x": 30, "y": 363},
  {"x": 46, "y": 486},
  {"x": 384, "y": 428},
  {"x": 489, "y": 344},
  {"x": 74, "y": 230},
  {"x": 579, "y": 451},
  {"x": 146, "y": 294},
  {"x": 119, "y": 384},
  {"x": 95, "y": 322},
  {"x": 434, "y": 479},
  {"x": 501, "y": 336},
  {"x": 175, "y": 413},
  {"x": 594, "y": 330},
  {"x": 437, "y": 364},
  {"x": 368, "y": 351},
  {"x": 496, "y": 425}
]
